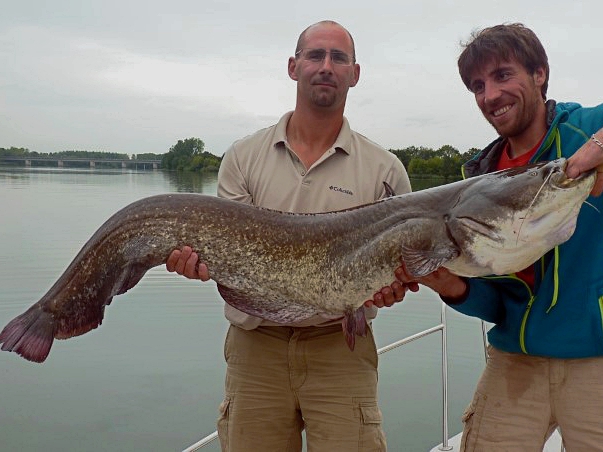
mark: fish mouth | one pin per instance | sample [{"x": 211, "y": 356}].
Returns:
[{"x": 559, "y": 179}]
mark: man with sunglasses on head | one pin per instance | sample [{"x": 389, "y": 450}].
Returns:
[{"x": 282, "y": 379}]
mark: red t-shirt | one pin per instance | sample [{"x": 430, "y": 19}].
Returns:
[{"x": 505, "y": 162}]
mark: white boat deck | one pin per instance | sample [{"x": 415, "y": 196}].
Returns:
[{"x": 554, "y": 444}]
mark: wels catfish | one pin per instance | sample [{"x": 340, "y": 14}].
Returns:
[{"x": 287, "y": 267}]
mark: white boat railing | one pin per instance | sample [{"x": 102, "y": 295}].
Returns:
[{"x": 440, "y": 327}]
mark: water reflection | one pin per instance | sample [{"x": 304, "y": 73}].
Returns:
[{"x": 192, "y": 182}]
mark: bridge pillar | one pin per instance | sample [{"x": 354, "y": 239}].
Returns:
[
  {"x": 155, "y": 166},
  {"x": 60, "y": 163},
  {"x": 123, "y": 164},
  {"x": 92, "y": 164},
  {"x": 27, "y": 162}
]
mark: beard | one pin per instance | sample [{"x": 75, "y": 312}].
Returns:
[
  {"x": 524, "y": 117},
  {"x": 516, "y": 127},
  {"x": 324, "y": 99},
  {"x": 324, "y": 96}
]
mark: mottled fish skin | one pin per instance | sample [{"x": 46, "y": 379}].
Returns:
[{"x": 287, "y": 267}]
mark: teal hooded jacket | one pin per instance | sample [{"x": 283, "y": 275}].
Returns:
[{"x": 562, "y": 317}]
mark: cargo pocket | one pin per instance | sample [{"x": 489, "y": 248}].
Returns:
[
  {"x": 372, "y": 437},
  {"x": 224, "y": 412},
  {"x": 471, "y": 423}
]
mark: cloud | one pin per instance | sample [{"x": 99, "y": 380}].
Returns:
[{"x": 137, "y": 76}]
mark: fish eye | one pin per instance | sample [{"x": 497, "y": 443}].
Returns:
[{"x": 533, "y": 173}]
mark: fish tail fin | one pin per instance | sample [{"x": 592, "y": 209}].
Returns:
[
  {"x": 353, "y": 323},
  {"x": 30, "y": 335}
]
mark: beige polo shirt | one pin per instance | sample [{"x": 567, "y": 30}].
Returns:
[{"x": 263, "y": 170}]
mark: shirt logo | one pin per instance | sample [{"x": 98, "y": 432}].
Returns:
[{"x": 341, "y": 190}]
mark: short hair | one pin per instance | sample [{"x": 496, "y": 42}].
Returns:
[
  {"x": 302, "y": 36},
  {"x": 503, "y": 42}
]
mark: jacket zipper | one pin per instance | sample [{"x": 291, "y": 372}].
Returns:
[{"x": 524, "y": 321}]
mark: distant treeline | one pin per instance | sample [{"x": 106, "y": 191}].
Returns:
[
  {"x": 444, "y": 162},
  {"x": 96, "y": 155},
  {"x": 189, "y": 155}
]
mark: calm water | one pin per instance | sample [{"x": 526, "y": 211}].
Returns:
[{"x": 151, "y": 377}]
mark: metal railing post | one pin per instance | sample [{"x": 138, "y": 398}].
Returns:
[{"x": 445, "y": 445}]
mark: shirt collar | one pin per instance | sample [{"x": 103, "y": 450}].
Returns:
[{"x": 343, "y": 141}]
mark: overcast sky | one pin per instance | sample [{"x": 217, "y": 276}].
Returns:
[{"x": 137, "y": 76}]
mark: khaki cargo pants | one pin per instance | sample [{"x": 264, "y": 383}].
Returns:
[
  {"x": 521, "y": 399},
  {"x": 280, "y": 380}
]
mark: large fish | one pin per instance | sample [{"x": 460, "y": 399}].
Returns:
[{"x": 287, "y": 267}]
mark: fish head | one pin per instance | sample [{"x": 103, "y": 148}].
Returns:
[{"x": 505, "y": 221}]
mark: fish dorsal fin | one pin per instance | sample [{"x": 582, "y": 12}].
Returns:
[
  {"x": 277, "y": 310},
  {"x": 389, "y": 191},
  {"x": 421, "y": 263}
]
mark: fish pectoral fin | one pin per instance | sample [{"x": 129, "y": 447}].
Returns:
[
  {"x": 130, "y": 276},
  {"x": 274, "y": 308},
  {"x": 420, "y": 262}
]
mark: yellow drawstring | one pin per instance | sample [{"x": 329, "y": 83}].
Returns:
[{"x": 556, "y": 250}]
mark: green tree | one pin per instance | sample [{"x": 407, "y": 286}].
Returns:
[
  {"x": 206, "y": 162},
  {"x": 450, "y": 162},
  {"x": 407, "y": 154},
  {"x": 14, "y": 152},
  {"x": 180, "y": 156},
  {"x": 447, "y": 151},
  {"x": 431, "y": 166},
  {"x": 188, "y": 155}
]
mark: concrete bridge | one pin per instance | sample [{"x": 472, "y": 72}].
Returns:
[{"x": 92, "y": 162}]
